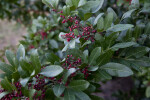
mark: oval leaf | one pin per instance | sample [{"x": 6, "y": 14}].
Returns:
[
  {"x": 116, "y": 69},
  {"x": 58, "y": 89},
  {"x": 52, "y": 71},
  {"x": 79, "y": 85},
  {"x": 120, "y": 27}
]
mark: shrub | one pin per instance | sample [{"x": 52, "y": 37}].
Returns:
[{"x": 98, "y": 44}]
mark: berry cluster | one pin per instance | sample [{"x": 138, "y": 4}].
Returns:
[
  {"x": 87, "y": 32},
  {"x": 39, "y": 86},
  {"x": 44, "y": 35},
  {"x": 73, "y": 62},
  {"x": 14, "y": 94},
  {"x": 68, "y": 36},
  {"x": 39, "y": 83}
]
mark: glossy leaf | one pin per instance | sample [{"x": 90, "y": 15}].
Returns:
[
  {"x": 98, "y": 6},
  {"x": 116, "y": 69},
  {"x": 104, "y": 58},
  {"x": 137, "y": 52},
  {"x": 3, "y": 94},
  {"x": 94, "y": 55},
  {"x": 100, "y": 24},
  {"x": 122, "y": 45},
  {"x": 81, "y": 3},
  {"x": 69, "y": 95},
  {"x": 79, "y": 85},
  {"x": 82, "y": 96},
  {"x": 108, "y": 20},
  {"x": 127, "y": 14},
  {"x": 11, "y": 58},
  {"x": 120, "y": 27},
  {"x": 148, "y": 92},
  {"x": 6, "y": 68},
  {"x": 52, "y": 71},
  {"x": 97, "y": 18},
  {"x": 51, "y": 57},
  {"x": 35, "y": 61},
  {"x": 20, "y": 52},
  {"x": 7, "y": 85},
  {"x": 68, "y": 73},
  {"x": 58, "y": 89}
]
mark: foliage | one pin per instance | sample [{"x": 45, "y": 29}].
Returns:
[
  {"x": 23, "y": 11},
  {"x": 98, "y": 44}
]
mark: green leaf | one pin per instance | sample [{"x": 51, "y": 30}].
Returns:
[
  {"x": 138, "y": 30},
  {"x": 87, "y": 16},
  {"x": 7, "y": 85},
  {"x": 11, "y": 58},
  {"x": 93, "y": 68},
  {"x": 136, "y": 52},
  {"x": 89, "y": 5},
  {"x": 132, "y": 63},
  {"x": 127, "y": 14},
  {"x": 16, "y": 76},
  {"x": 108, "y": 20},
  {"x": 6, "y": 68},
  {"x": 147, "y": 28},
  {"x": 49, "y": 94},
  {"x": 147, "y": 92},
  {"x": 79, "y": 85},
  {"x": 69, "y": 2},
  {"x": 86, "y": 43},
  {"x": 66, "y": 10},
  {"x": 104, "y": 57},
  {"x": 72, "y": 43},
  {"x": 97, "y": 18},
  {"x": 135, "y": 4},
  {"x": 94, "y": 55},
  {"x": 109, "y": 40},
  {"x": 102, "y": 75},
  {"x": 58, "y": 89},
  {"x": 51, "y": 3},
  {"x": 69, "y": 95},
  {"x": 122, "y": 45},
  {"x": 20, "y": 52},
  {"x": 116, "y": 69},
  {"x": 51, "y": 57},
  {"x": 120, "y": 27},
  {"x": 60, "y": 36},
  {"x": 31, "y": 93},
  {"x": 99, "y": 37},
  {"x": 26, "y": 66},
  {"x": 52, "y": 71},
  {"x": 75, "y": 3},
  {"x": 85, "y": 56},
  {"x": 81, "y": 3},
  {"x": 114, "y": 14},
  {"x": 35, "y": 61},
  {"x": 65, "y": 48},
  {"x": 53, "y": 44},
  {"x": 100, "y": 24},
  {"x": 82, "y": 96},
  {"x": 24, "y": 81},
  {"x": 76, "y": 32},
  {"x": 72, "y": 3},
  {"x": 68, "y": 73},
  {"x": 97, "y": 6},
  {"x": 3, "y": 94}
]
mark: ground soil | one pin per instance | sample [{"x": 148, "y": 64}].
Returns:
[{"x": 10, "y": 34}]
